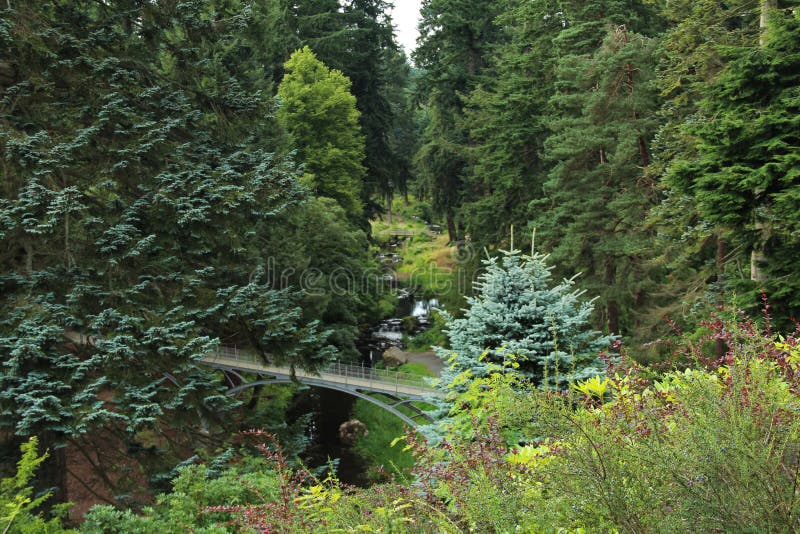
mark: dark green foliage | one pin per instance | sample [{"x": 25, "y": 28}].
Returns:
[
  {"x": 698, "y": 257},
  {"x": 194, "y": 491},
  {"x": 745, "y": 177},
  {"x": 454, "y": 40},
  {"x": 321, "y": 251},
  {"x": 507, "y": 116},
  {"x": 596, "y": 195},
  {"x": 141, "y": 163}
]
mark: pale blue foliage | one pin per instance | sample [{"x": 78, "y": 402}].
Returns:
[{"x": 518, "y": 311}]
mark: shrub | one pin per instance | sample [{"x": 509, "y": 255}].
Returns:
[{"x": 18, "y": 504}]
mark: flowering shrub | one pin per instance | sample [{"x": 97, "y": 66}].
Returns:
[{"x": 713, "y": 447}]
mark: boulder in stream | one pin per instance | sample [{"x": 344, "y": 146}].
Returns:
[{"x": 351, "y": 430}]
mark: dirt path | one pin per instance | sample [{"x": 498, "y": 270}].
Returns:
[{"x": 428, "y": 359}]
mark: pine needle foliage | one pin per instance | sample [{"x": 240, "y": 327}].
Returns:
[{"x": 520, "y": 319}]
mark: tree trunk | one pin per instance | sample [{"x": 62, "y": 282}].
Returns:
[
  {"x": 7, "y": 74},
  {"x": 389, "y": 206},
  {"x": 643, "y": 154},
  {"x": 757, "y": 256},
  {"x": 253, "y": 402},
  {"x": 766, "y": 7},
  {"x": 53, "y": 472},
  {"x": 612, "y": 309},
  {"x": 452, "y": 231}
]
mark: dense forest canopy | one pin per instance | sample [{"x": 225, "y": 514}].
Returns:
[
  {"x": 182, "y": 174},
  {"x": 653, "y": 145}
]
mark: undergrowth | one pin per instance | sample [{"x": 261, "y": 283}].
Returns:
[{"x": 706, "y": 444}]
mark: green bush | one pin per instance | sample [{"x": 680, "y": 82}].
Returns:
[
  {"x": 409, "y": 324},
  {"x": 434, "y": 336},
  {"x": 422, "y": 237},
  {"x": 424, "y": 211},
  {"x": 188, "y": 507},
  {"x": 18, "y": 504}
]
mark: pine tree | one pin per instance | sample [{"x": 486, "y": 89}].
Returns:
[
  {"x": 356, "y": 37},
  {"x": 455, "y": 37},
  {"x": 604, "y": 118},
  {"x": 698, "y": 258},
  {"x": 519, "y": 312},
  {"x": 744, "y": 178},
  {"x": 508, "y": 116}
]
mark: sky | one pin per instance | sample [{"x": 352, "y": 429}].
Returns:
[{"x": 405, "y": 17}]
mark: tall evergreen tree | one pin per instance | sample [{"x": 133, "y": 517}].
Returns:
[
  {"x": 356, "y": 37},
  {"x": 319, "y": 111},
  {"x": 455, "y": 37},
  {"x": 698, "y": 256},
  {"x": 508, "y": 118},
  {"x": 604, "y": 118},
  {"x": 129, "y": 215},
  {"x": 745, "y": 178}
]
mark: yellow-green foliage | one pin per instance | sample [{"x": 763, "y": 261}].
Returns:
[
  {"x": 693, "y": 449},
  {"x": 319, "y": 111},
  {"x": 17, "y": 501}
]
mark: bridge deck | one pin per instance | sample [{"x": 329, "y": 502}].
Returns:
[{"x": 337, "y": 373}]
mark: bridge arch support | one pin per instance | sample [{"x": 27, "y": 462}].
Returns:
[{"x": 391, "y": 408}]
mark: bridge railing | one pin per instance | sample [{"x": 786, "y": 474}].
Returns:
[
  {"x": 345, "y": 370},
  {"x": 384, "y": 376}
]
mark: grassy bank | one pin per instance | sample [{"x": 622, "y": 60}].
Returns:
[{"x": 375, "y": 448}]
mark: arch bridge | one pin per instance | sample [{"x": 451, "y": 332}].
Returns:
[{"x": 401, "y": 389}]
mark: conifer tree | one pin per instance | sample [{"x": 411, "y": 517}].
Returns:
[
  {"x": 141, "y": 161},
  {"x": 519, "y": 312},
  {"x": 690, "y": 249},
  {"x": 508, "y": 119},
  {"x": 744, "y": 178},
  {"x": 455, "y": 38},
  {"x": 319, "y": 111},
  {"x": 356, "y": 37},
  {"x": 604, "y": 118}
]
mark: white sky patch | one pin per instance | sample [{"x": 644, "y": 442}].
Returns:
[{"x": 405, "y": 17}]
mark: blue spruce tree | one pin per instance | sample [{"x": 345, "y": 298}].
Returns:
[{"x": 520, "y": 318}]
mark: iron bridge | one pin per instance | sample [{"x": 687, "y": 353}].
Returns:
[{"x": 401, "y": 389}]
